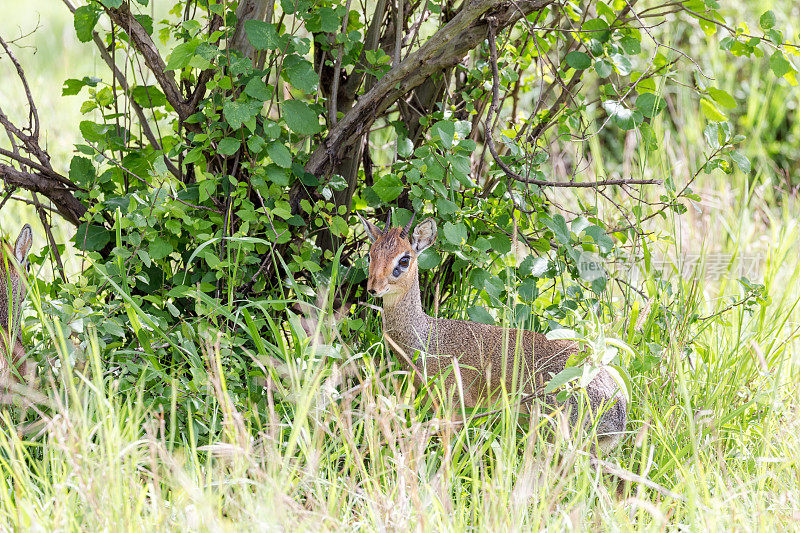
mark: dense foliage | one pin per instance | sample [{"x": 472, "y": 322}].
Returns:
[{"x": 219, "y": 184}]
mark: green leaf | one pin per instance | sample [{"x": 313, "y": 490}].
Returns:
[
  {"x": 300, "y": 117},
  {"x": 622, "y": 63},
  {"x": 262, "y": 35},
  {"x": 561, "y": 334},
  {"x": 89, "y": 237},
  {"x": 459, "y": 163},
  {"x": 206, "y": 189},
  {"x": 711, "y": 133},
  {"x": 81, "y": 171},
  {"x": 337, "y": 182},
  {"x": 237, "y": 112},
  {"x": 723, "y": 98},
  {"x": 296, "y": 6},
  {"x": 579, "y": 224},
  {"x": 649, "y": 138},
  {"x": 159, "y": 249},
  {"x": 85, "y": 19},
  {"x": 597, "y": 29},
  {"x": 145, "y": 20},
  {"x": 148, "y": 96},
  {"x": 446, "y": 207},
  {"x": 388, "y": 187},
  {"x": 111, "y": 3},
  {"x": 480, "y": 314},
  {"x": 256, "y": 88},
  {"x": 570, "y": 373},
  {"x": 93, "y": 132},
  {"x": 528, "y": 290},
  {"x": 533, "y": 266},
  {"x": 578, "y": 60},
  {"x": 779, "y": 64},
  {"x": 405, "y": 146},
  {"x": 603, "y": 68},
  {"x": 228, "y": 146},
  {"x": 623, "y": 117},
  {"x": 767, "y": 20},
  {"x": 559, "y": 227},
  {"x": 501, "y": 243},
  {"x": 775, "y": 36},
  {"x": 73, "y": 86},
  {"x": 280, "y": 154},
  {"x": 325, "y": 21},
  {"x": 599, "y": 236},
  {"x": 455, "y": 233},
  {"x": 300, "y": 73},
  {"x": 181, "y": 55},
  {"x": 631, "y": 45},
  {"x": 649, "y": 104},
  {"x": 622, "y": 378},
  {"x": 741, "y": 161},
  {"x": 277, "y": 175},
  {"x": 711, "y": 112},
  {"x": 446, "y": 131},
  {"x": 429, "y": 259}
]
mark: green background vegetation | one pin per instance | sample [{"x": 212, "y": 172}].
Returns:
[{"x": 179, "y": 401}]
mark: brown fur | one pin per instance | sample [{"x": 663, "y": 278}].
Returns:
[
  {"x": 490, "y": 358},
  {"x": 12, "y": 294}
]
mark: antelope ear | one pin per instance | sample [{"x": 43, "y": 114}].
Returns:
[
  {"x": 23, "y": 244},
  {"x": 424, "y": 235},
  {"x": 372, "y": 230}
]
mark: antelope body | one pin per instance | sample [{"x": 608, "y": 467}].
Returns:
[
  {"x": 12, "y": 294},
  {"x": 490, "y": 358}
]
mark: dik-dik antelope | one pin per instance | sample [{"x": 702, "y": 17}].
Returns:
[
  {"x": 12, "y": 294},
  {"x": 486, "y": 354}
]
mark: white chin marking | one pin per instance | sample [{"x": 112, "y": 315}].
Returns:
[{"x": 383, "y": 293}]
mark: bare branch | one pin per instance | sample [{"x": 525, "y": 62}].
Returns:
[
  {"x": 443, "y": 50},
  {"x": 506, "y": 169},
  {"x": 141, "y": 40},
  {"x": 24, "y": 147},
  {"x": 67, "y": 205},
  {"x": 49, "y": 172},
  {"x": 123, "y": 83}
]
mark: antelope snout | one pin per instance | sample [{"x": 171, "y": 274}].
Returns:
[{"x": 373, "y": 290}]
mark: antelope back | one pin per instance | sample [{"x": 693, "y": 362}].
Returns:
[{"x": 12, "y": 286}]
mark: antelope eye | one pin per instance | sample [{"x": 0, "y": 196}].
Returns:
[{"x": 404, "y": 261}]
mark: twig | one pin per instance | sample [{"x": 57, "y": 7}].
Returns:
[
  {"x": 123, "y": 83},
  {"x": 506, "y": 169},
  {"x": 337, "y": 72},
  {"x": 27, "y": 202},
  {"x": 142, "y": 41},
  {"x": 49, "y": 232},
  {"x": 7, "y": 197},
  {"x": 118, "y": 165}
]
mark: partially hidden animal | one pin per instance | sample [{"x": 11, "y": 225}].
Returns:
[
  {"x": 489, "y": 358},
  {"x": 13, "y": 264}
]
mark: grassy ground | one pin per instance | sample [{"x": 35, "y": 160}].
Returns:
[
  {"x": 343, "y": 443},
  {"x": 346, "y": 445}
]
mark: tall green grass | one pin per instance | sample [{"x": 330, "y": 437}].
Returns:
[{"x": 345, "y": 443}]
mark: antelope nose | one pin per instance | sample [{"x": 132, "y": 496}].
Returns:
[{"x": 373, "y": 292}]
